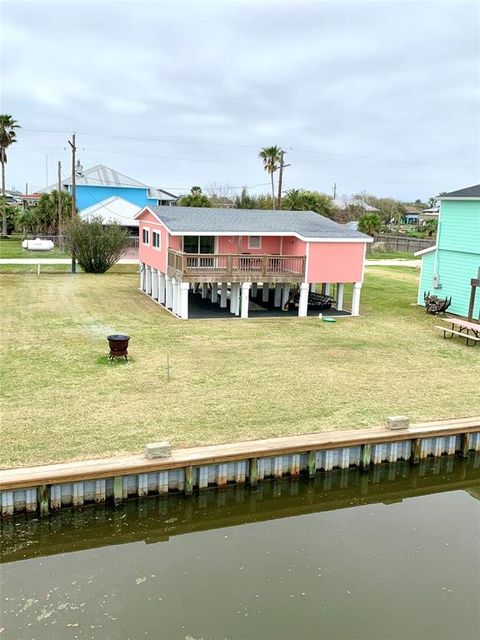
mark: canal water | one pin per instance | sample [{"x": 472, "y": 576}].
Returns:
[{"x": 393, "y": 554}]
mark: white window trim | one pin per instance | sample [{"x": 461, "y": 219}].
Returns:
[
  {"x": 159, "y": 248},
  {"x": 147, "y": 244},
  {"x": 259, "y": 242}
]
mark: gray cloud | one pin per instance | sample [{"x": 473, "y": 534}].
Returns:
[{"x": 377, "y": 96}]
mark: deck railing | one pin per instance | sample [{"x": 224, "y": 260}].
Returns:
[{"x": 233, "y": 267}]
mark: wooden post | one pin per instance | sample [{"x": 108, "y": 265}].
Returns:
[
  {"x": 253, "y": 472},
  {"x": 43, "y": 500},
  {"x": 364, "y": 484},
  {"x": 117, "y": 489},
  {"x": 465, "y": 445},
  {"x": 188, "y": 481},
  {"x": 312, "y": 463},
  {"x": 366, "y": 457},
  {"x": 264, "y": 267},
  {"x": 74, "y": 195},
  {"x": 416, "y": 448},
  {"x": 229, "y": 265},
  {"x": 474, "y": 283}
]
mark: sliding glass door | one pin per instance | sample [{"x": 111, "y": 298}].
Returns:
[{"x": 199, "y": 244}]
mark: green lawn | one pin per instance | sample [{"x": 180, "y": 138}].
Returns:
[
  {"x": 12, "y": 248},
  {"x": 391, "y": 255},
  {"x": 230, "y": 379}
]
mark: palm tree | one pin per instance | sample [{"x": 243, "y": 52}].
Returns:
[
  {"x": 294, "y": 200},
  {"x": 271, "y": 160},
  {"x": 7, "y": 137},
  {"x": 370, "y": 224}
]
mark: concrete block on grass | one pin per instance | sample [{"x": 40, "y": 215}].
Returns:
[
  {"x": 398, "y": 422},
  {"x": 158, "y": 450}
]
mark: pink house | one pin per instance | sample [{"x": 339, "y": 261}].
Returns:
[{"x": 247, "y": 259}]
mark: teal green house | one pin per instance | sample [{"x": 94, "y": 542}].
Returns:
[{"x": 449, "y": 267}]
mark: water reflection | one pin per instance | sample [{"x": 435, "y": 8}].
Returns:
[{"x": 389, "y": 554}]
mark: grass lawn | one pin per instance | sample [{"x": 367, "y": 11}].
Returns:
[
  {"x": 230, "y": 379},
  {"x": 12, "y": 248},
  {"x": 391, "y": 255}
]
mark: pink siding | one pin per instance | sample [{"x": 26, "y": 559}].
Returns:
[
  {"x": 175, "y": 242},
  {"x": 156, "y": 258},
  {"x": 335, "y": 262},
  {"x": 239, "y": 244},
  {"x": 293, "y": 246}
]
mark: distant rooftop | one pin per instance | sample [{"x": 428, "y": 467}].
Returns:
[
  {"x": 103, "y": 176},
  {"x": 342, "y": 202},
  {"x": 467, "y": 192},
  {"x": 214, "y": 221},
  {"x": 113, "y": 210}
]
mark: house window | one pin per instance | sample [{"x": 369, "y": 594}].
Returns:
[
  {"x": 156, "y": 240},
  {"x": 199, "y": 244},
  {"x": 254, "y": 242},
  {"x": 146, "y": 236}
]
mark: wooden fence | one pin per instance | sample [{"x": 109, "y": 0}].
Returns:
[{"x": 404, "y": 243}]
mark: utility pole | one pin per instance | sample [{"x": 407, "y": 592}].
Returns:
[
  {"x": 59, "y": 204},
  {"x": 334, "y": 190},
  {"x": 280, "y": 178},
  {"x": 74, "y": 148}
]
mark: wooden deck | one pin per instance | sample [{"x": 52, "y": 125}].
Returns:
[
  {"x": 231, "y": 267},
  {"x": 77, "y": 471}
]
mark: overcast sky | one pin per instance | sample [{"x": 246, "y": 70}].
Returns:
[{"x": 376, "y": 96}]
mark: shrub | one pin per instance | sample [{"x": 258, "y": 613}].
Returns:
[{"x": 96, "y": 246}]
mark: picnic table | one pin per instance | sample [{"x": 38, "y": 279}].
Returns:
[{"x": 462, "y": 328}]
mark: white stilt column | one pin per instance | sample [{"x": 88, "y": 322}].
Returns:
[
  {"x": 245, "y": 295},
  {"x": 204, "y": 290},
  {"x": 357, "y": 289},
  {"x": 254, "y": 289},
  {"x": 312, "y": 287},
  {"x": 183, "y": 312},
  {"x": 155, "y": 284},
  {"x": 223, "y": 295},
  {"x": 235, "y": 298},
  {"x": 277, "y": 300},
  {"x": 265, "y": 291},
  {"x": 303, "y": 302},
  {"x": 285, "y": 294},
  {"x": 214, "y": 292},
  {"x": 161, "y": 287},
  {"x": 340, "y": 291},
  {"x": 149, "y": 281},
  {"x": 175, "y": 296},
  {"x": 168, "y": 292},
  {"x": 327, "y": 289},
  {"x": 142, "y": 276}
]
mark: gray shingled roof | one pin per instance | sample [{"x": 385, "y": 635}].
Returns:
[
  {"x": 468, "y": 192},
  {"x": 306, "y": 224}
]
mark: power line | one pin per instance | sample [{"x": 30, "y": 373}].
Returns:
[{"x": 250, "y": 146}]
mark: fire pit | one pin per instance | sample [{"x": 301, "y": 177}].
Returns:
[{"x": 118, "y": 344}]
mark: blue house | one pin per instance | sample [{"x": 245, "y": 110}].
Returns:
[
  {"x": 449, "y": 267},
  {"x": 98, "y": 183}
]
